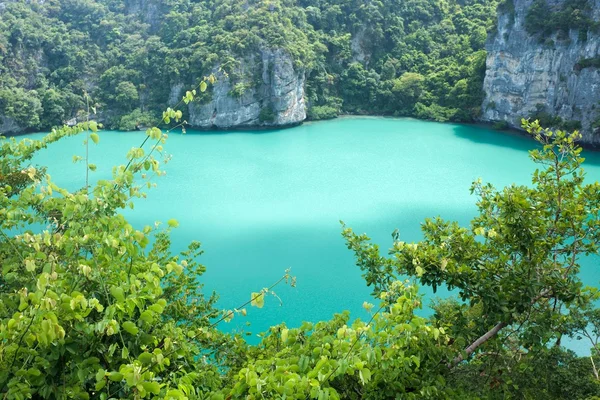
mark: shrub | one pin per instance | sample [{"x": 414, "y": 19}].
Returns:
[
  {"x": 137, "y": 119},
  {"x": 322, "y": 112},
  {"x": 267, "y": 114}
]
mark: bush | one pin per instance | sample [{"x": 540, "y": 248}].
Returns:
[
  {"x": 547, "y": 119},
  {"x": 267, "y": 114},
  {"x": 575, "y": 14},
  {"x": 91, "y": 305},
  {"x": 239, "y": 89},
  {"x": 435, "y": 112},
  {"x": 544, "y": 117},
  {"x": 571, "y": 125},
  {"x": 587, "y": 63},
  {"x": 316, "y": 113},
  {"x": 137, "y": 119}
]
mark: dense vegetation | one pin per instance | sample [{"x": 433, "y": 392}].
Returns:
[
  {"x": 419, "y": 57},
  {"x": 544, "y": 20},
  {"x": 91, "y": 307}
]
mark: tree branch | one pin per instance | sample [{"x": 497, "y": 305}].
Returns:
[
  {"x": 471, "y": 349},
  {"x": 493, "y": 332}
]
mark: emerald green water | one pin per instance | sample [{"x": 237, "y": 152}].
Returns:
[{"x": 261, "y": 202}]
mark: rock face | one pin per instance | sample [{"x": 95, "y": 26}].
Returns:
[
  {"x": 9, "y": 126},
  {"x": 274, "y": 97},
  {"x": 147, "y": 10},
  {"x": 526, "y": 74}
]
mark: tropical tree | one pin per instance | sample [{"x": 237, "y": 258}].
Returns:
[
  {"x": 515, "y": 268},
  {"x": 88, "y": 307}
]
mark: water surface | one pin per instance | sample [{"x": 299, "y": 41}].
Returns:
[{"x": 262, "y": 202}]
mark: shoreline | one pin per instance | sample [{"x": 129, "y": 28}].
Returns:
[{"x": 509, "y": 131}]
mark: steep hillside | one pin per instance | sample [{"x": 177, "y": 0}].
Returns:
[
  {"x": 543, "y": 63},
  {"x": 277, "y": 60}
]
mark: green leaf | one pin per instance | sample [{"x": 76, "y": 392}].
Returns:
[
  {"x": 95, "y": 138},
  {"x": 365, "y": 375},
  {"x": 115, "y": 376},
  {"x": 147, "y": 317},
  {"x": 118, "y": 293},
  {"x": 257, "y": 300},
  {"x": 30, "y": 265},
  {"x": 203, "y": 86},
  {"x": 130, "y": 327},
  {"x": 152, "y": 387},
  {"x": 145, "y": 358},
  {"x": 284, "y": 335},
  {"x": 173, "y": 223},
  {"x": 175, "y": 394},
  {"x": 157, "y": 308},
  {"x": 100, "y": 384}
]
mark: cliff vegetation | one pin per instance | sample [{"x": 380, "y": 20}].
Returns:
[{"x": 421, "y": 58}]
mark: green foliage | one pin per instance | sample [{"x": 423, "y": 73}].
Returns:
[
  {"x": 408, "y": 90},
  {"x": 514, "y": 267},
  {"x": 266, "y": 115},
  {"x": 338, "y": 359},
  {"x": 587, "y": 63},
  {"x": 554, "y": 121},
  {"x": 87, "y": 299},
  {"x": 435, "y": 112},
  {"x": 21, "y": 106},
  {"x": 543, "y": 20},
  {"x": 239, "y": 89},
  {"x": 371, "y": 46},
  {"x": 553, "y": 373},
  {"x": 501, "y": 125},
  {"x": 322, "y": 112},
  {"x": 136, "y": 119},
  {"x": 128, "y": 59},
  {"x": 544, "y": 117},
  {"x": 507, "y": 7}
]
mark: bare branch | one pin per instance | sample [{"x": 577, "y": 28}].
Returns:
[{"x": 471, "y": 349}]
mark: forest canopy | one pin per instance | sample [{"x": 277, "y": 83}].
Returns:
[{"x": 422, "y": 58}]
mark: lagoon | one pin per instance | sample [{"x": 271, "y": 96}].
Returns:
[{"x": 264, "y": 201}]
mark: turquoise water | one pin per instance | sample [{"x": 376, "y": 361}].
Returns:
[{"x": 261, "y": 202}]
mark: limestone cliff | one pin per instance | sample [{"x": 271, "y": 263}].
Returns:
[
  {"x": 9, "y": 126},
  {"x": 528, "y": 73},
  {"x": 272, "y": 95}
]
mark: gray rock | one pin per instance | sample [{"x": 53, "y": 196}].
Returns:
[
  {"x": 147, "y": 10},
  {"x": 522, "y": 72},
  {"x": 175, "y": 94},
  {"x": 8, "y": 125},
  {"x": 280, "y": 90},
  {"x": 358, "y": 45}
]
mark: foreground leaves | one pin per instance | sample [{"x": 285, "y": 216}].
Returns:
[{"x": 91, "y": 307}]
